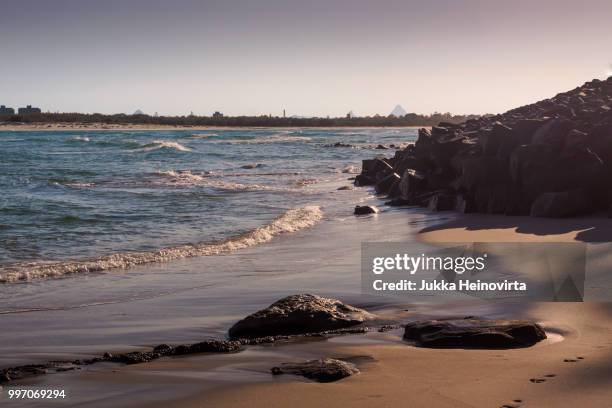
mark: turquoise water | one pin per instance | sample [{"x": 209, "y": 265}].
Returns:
[{"x": 70, "y": 198}]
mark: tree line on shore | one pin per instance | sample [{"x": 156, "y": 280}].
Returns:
[{"x": 410, "y": 119}]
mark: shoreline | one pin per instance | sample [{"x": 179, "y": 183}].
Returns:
[
  {"x": 574, "y": 357},
  {"x": 414, "y": 375}
]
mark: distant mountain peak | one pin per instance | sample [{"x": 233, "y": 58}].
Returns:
[
  {"x": 398, "y": 111},
  {"x": 139, "y": 112}
]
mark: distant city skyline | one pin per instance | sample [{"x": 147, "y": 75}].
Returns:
[{"x": 315, "y": 58}]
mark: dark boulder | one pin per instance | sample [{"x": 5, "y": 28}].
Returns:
[
  {"x": 385, "y": 185},
  {"x": 530, "y": 160},
  {"x": 412, "y": 182},
  {"x": 465, "y": 204},
  {"x": 134, "y": 357},
  {"x": 482, "y": 171},
  {"x": 161, "y": 349},
  {"x": 215, "y": 346},
  {"x": 22, "y": 372},
  {"x": 444, "y": 149},
  {"x": 441, "y": 202},
  {"x": 422, "y": 147},
  {"x": 362, "y": 180},
  {"x": 524, "y": 129},
  {"x": 323, "y": 370},
  {"x": 365, "y": 209},
  {"x": 563, "y": 204},
  {"x": 474, "y": 333},
  {"x": 553, "y": 133},
  {"x": 411, "y": 162},
  {"x": 372, "y": 171},
  {"x": 576, "y": 139},
  {"x": 492, "y": 141},
  {"x": 299, "y": 314}
]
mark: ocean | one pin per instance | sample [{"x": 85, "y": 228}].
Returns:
[{"x": 78, "y": 202}]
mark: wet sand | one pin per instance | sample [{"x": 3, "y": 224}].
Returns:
[
  {"x": 393, "y": 373},
  {"x": 402, "y": 375},
  {"x": 571, "y": 368}
]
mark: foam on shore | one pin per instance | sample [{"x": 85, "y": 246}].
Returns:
[{"x": 291, "y": 221}]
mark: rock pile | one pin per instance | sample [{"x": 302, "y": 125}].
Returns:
[{"x": 549, "y": 159}]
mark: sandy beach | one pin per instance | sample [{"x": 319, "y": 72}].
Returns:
[
  {"x": 573, "y": 362},
  {"x": 570, "y": 368},
  {"x": 217, "y": 204}
]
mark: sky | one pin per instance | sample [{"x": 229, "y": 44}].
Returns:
[{"x": 311, "y": 58}]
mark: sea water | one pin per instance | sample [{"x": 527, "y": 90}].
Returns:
[{"x": 89, "y": 201}]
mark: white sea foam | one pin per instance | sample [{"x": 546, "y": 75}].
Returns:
[
  {"x": 202, "y": 135},
  {"x": 79, "y": 185},
  {"x": 80, "y": 139},
  {"x": 164, "y": 144},
  {"x": 188, "y": 179},
  {"x": 351, "y": 169},
  {"x": 278, "y": 138},
  {"x": 291, "y": 221}
]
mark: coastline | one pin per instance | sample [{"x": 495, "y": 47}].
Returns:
[
  {"x": 188, "y": 300},
  {"x": 9, "y": 127},
  {"x": 574, "y": 358},
  {"x": 393, "y": 373},
  {"x": 68, "y": 126}
]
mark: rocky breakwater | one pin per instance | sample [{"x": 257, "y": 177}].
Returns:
[{"x": 552, "y": 158}]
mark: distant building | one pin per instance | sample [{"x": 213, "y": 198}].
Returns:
[
  {"x": 6, "y": 111},
  {"x": 28, "y": 110},
  {"x": 217, "y": 115}
]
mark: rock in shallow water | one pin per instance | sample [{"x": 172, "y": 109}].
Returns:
[
  {"x": 299, "y": 314},
  {"x": 323, "y": 370},
  {"x": 365, "y": 209},
  {"x": 474, "y": 333}
]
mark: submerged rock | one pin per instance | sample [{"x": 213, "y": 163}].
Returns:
[
  {"x": 323, "y": 370},
  {"x": 215, "y": 346},
  {"x": 474, "y": 333},
  {"x": 251, "y": 166},
  {"x": 299, "y": 314},
  {"x": 162, "y": 350},
  {"x": 22, "y": 372},
  {"x": 365, "y": 209},
  {"x": 338, "y": 144}
]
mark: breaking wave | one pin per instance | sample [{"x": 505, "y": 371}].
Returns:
[
  {"x": 79, "y": 139},
  {"x": 278, "y": 138},
  {"x": 188, "y": 179},
  {"x": 164, "y": 144},
  {"x": 291, "y": 221},
  {"x": 202, "y": 135}
]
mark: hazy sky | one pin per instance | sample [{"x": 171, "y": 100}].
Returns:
[{"x": 311, "y": 57}]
